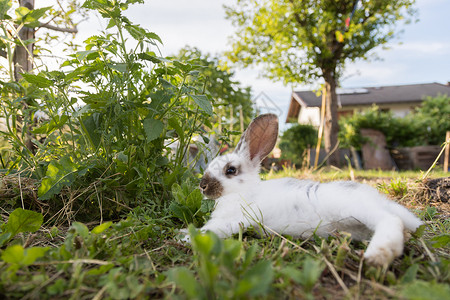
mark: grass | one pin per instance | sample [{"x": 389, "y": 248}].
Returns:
[{"x": 139, "y": 257}]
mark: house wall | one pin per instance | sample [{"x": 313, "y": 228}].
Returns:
[
  {"x": 398, "y": 110},
  {"x": 311, "y": 115}
]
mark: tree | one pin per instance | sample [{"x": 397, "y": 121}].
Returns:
[
  {"x": 304, "y": 41},
  {"x": 231, "y": 99}
]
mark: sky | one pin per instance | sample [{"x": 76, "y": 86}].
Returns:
[{"x": 422, "y": 57}]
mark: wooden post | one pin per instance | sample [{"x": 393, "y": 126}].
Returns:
[
  {"x": 447, "y": 151},
  {"x": 23, "y": 63},
  {"x": 23, "y": 56},
  {"x": 320, "y": 133}
]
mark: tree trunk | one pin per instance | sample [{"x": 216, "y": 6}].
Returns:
[
  {"x": 23, "y": 60},
  {"x": 331, "y": 128},
  {"x": 23, "y": 63}
]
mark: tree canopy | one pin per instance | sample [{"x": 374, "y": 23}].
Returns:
[
  {"x": 296, "y": 40},
  {"x": 300, "y": 42}
]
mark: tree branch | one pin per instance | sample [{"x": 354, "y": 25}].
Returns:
[
  {"x": 60, "y": 29},
  {"x": 3, "y": 53}
]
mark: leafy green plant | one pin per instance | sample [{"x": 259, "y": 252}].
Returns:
[
  {"x": 396, "y": 187},
  {"x": 109, "y": 114},
  {"x": 224, "y": 269},
  {"x": 189, "y": 205},
  {"x": 433, "y": 117},
  {"x": 296, "y": 140},
  {"x": 20, "y": 220}
]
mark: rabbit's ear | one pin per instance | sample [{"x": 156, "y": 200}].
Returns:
[{"x": 259, "y": 138}]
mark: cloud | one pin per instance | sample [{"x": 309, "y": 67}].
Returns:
[{"x": 424, "y": 48}]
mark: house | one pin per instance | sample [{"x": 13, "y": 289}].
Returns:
[{"x": 305, "y": 106}]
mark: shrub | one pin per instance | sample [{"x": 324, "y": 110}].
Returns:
[
  {"x": 434, "y": 119},
  {"x": 296, "y": 140},
  {"x": 398, "y": 132},
  {"x": 425, "y": 126}
]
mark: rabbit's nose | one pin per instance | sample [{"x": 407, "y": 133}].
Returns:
[{"x": 203, "y": 185}]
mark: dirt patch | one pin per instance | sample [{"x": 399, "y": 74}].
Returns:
[{"x": 438, "y": 189}]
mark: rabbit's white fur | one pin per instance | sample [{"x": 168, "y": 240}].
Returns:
[{"x": 299, "y": 207}]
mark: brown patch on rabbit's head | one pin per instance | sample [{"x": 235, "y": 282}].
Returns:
[{"x": 211, "y": 187}]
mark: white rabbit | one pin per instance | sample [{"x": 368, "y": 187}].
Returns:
[{"x": 299, "y": 207}]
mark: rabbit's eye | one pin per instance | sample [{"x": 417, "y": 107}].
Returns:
[{"x": 230, "y": 170}]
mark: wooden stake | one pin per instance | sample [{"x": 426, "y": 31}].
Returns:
[
  {"x": 320, "y": 133},
  {"x": 447, "y": 151}
]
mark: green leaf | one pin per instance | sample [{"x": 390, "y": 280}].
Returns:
[
  {"x": 55, "y": 123},
  {"x": 22, "y": 220},
  {"x": 150, "y": 56},
  {"x": 308, "y": 275},
  {"x": 100, "y": 270},
  {"x": 182, "y": 66},
  {"x": 421, "y": 290},
  {"x": 207, "y": 205},
  {"x": 153, "y": 36},
  {"x": 440, "y": 241},
  {"x": 121, "y": 67},
  {"x": 311, "y": 272},
  {"x": 136, "y": 32},
  {"x": 4, "y": 237},
  {"x": 194, "y": 200},
  {"x": 203, "y": 102},
  {"x": 203, "y": 243},
  {"x": 38, "y": 80},
  {"x": 111, "y": 24},
  {"x": 173, "y": 122},
  {"x": 182, "y": 212},
  {"x": 13, "y": 254},
  {"x": 32, "y": 254},
  {"x": 159, "y": 98},
  {"x": 81, "y": 229},
  {"x": 58, "y": 175},
  {"x": 231, "y": 253},
  {"x": 102, "y": 227},
  {"x": 177, "y": 193},
  {"x": 257, "y": 280},
  {"x": 21, "y": 12},
  {"x": 250, "y": 254},
  {"x": 410, "y": 274},
  {"x": 185, "y": 280},
  {"x": 5, "y": 5},
  {"x": 80, "y": 55},
  {"x": 32, "y": 18},
  {"x": 16, "y": 254},
  {"x": 90, "y": 125},
  {"x": 153, "y": 129}
]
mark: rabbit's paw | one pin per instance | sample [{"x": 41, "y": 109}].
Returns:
[
  {"x": 379, "y": 257},
  {"x": 383, "y": 255},
  {"x": 183, "y": 236}
]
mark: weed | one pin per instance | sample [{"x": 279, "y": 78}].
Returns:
[{"x": 396, "y": 188}]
